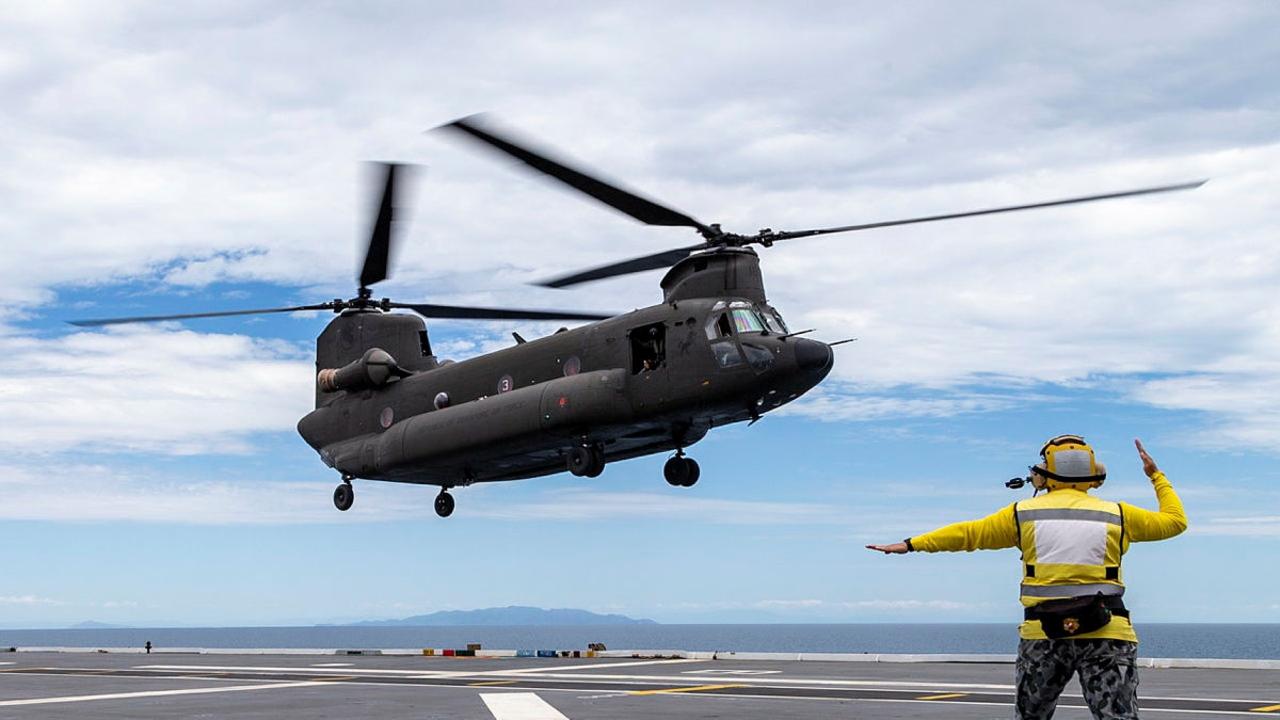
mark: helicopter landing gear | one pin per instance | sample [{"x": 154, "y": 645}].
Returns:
[
  {"x": 344, "y": 495},
  {"x": 681, "y": 471},
  {"x": 444, "y": 503},
  {"x": 585, "y": 460}
]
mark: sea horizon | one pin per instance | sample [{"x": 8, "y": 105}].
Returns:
[{"x": 1200, "y": 640}]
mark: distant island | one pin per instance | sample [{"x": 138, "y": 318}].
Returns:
[{"x": 511, "y": 615}]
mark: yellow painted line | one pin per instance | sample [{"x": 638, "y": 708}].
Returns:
[
  {"x": 487, "y": 683},
  {"x": 696, "y": 688},
  {"x": 947, "y": 696},
  {"x": 1265, "y": 708},
  {"x": 336, "y": 678}
]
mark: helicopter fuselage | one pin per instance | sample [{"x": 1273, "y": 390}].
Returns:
[{"x": 652, "y": 380}]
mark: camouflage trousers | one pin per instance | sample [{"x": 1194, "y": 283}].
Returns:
[{"x": 1108, "y": 675}]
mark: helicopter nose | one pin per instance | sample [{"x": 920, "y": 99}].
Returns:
[{"x": 812, "y": 355}]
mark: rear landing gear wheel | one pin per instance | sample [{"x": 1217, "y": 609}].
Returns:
[
  {"x": 343, "y": 496},
  {"x": 681, "y": 471},
  {"x": 585, "y": 461},
  {"x": 444, "y": 504}
]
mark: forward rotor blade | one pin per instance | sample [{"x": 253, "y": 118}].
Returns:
[
  {"x": 453, "y": 312},
  {"x": 375, "y": 257},
  {"x": 787, "y": 235},
  {"x": 667, "y": 258},
  {"x": 646, "y": 211},
  {"x": 190, "y": 316}
]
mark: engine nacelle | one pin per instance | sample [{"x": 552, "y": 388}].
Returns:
[{"x": 373, "y": 370}]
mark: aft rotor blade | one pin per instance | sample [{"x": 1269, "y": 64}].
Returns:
[
  {"x": 663, "y": 259},
  {"x": 375, "y": 257},
  {"x": 642, "y": 209},
  {"x": 191, "y": 316},
  {"x": 787, "y": 235},
  {"x": 453, "y": 312}
]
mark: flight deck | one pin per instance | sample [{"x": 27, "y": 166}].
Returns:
[{"x": 341, "y": 685}]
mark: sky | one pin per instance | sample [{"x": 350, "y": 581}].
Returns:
[{"x": 162, "y": 159}]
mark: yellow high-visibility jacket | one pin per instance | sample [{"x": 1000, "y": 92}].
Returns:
[{"x": 1081, "y": 545}]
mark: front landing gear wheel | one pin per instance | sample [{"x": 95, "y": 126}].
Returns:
[
  {"x": 343, "y": 496},
  {"x": 444, "y": 504},
  {"x": 681, "y": 471},
  {"x": 585, "y": 461}
]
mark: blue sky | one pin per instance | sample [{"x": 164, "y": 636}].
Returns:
[{"x": 179, "y": 160}]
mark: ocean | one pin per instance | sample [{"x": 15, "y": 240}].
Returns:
[{"x": 1253, "y": 641}]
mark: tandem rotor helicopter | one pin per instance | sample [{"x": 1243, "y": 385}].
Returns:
[{"x": 653, "y": 380}]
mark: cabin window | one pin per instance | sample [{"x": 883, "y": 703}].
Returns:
[{"x": 648, "y": 347}]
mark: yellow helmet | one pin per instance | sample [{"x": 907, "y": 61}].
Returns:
[{"x": 1068, "y": 459}]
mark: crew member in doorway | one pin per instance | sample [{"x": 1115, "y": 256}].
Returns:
[{"x": 1075, "y": 621}]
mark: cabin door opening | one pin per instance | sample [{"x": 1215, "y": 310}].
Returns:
[{"x": 648, "y": 348}]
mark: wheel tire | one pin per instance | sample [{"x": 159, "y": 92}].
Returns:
[
  {"x": 597, "y": 463},
  {"x": 676, "y": 471},
  {"x": 343, "y": 496},
  {"x": 580, "y": 460},
  {"x": 444, "y": 504},
  {"x": 694, "y": 472}
]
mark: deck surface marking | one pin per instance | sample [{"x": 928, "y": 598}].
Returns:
[
  {"x": 154, "y": 693},
  {"x": 520, "y": 706}
]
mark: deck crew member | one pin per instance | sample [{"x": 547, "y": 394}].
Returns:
[{"x": 1075, "y": 621}]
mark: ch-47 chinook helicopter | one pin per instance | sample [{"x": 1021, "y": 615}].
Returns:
[{"x": 653, "y": 380}]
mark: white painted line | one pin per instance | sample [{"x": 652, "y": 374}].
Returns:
[
  {"x": 520, "y": 706},
  {"x": 155, "y": 693},
  {"x": 299, "y": 668},
  {"x": 332, "y": 664},
  {"x": 730, "y": 672},
  {"x": 8, "y": 663},
  {"x": 600, "y": 666}
]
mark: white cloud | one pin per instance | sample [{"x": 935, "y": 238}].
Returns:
[
  {"x": 1260, "y": 526},
  {"x": 147, "y": 388},
  {"x": 29, "y": 600},
  {"x": 80, "y": 492},
  {"x": 242, "y": 168},
  {"x": 590, "y": 505}
]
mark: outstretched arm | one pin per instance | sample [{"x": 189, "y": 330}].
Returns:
[
  {"x": 1141, "y": 524},
  {"x": 995, "y": 531}
]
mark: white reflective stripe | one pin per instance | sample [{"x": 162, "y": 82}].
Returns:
[
  {"x": 1063, "y": 591},
  {"x": 1070, "y": 542},
  {"x": 1069, "y": 514}
]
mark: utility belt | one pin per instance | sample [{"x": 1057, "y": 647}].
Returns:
[{"x": 1066, "y": 617}]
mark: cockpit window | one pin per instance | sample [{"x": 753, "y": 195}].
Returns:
[
  {"x": 745, "y": 318},
  {"x": 718, "y": 323},
  {"x": 773, "y": 320}
]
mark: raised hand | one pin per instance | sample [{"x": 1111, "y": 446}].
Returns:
[
  {"x": 897, "y": 548},
  {"x": 1148, "y": 465}
]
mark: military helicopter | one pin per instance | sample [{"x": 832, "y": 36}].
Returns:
[{"x": 654, "y": 380}]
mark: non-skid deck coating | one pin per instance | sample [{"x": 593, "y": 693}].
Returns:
[{"x": 78, "y": 685}]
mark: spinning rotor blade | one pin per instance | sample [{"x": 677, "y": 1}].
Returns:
[
  {"x": 454, "y": 312},
  {"x": 646, "y": 211},
  {"x": 768, "y": 237},
  {"x": 189, "y": 316},
  {"x": 663, "y": 259},
  {"x": 787, "y": 235},
  {"x": 375, "y": 258}
]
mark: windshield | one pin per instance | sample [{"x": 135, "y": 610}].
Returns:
[
  {"x": 745, "y": 318},
  {"x": 773, "y": 320}
]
